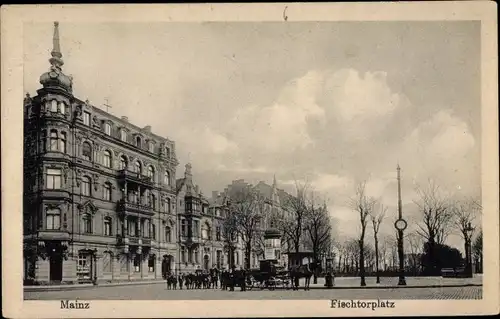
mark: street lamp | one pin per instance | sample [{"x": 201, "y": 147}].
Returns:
[
  {"x": 400, "y": 225},
  {"x": 468, "y": 242}
]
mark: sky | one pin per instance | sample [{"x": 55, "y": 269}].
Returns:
[{"x": 330, "y": 104}]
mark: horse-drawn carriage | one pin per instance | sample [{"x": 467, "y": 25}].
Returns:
[{"x": 268, "y": 276}]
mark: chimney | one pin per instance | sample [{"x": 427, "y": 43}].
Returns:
[
  {"x": 147, "y": 128},
  {"x": 124, "y": 118}
]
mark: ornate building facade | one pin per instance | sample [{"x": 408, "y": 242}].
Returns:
[{"x": 99, "y": 192}]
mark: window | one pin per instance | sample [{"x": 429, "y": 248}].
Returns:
[
  {"x": 184, "y": 227},
  {"x": 53, "y": 178},
  {"x": 53, "y": 219},
  {"x": 151, "y": 173},
  {"x": 167, "y": 152},
  {"x": 85, "y": 186},
  {"x": 196, "y": 255},
  {"x": 153, "y": 231},
  {"x": 146, "y": 228},
  {"x": 205, "y": 231},
  {"x": 107, "y": 158},
  {"x": 151, "y": 147},
  {"x": 53, "y": 140},
  {"x": 107, "y": 192},
  {"x": 217, "y": 233},
  {"x": 168, "y": 206},
  {"x": 107, "y": 129},
  {"x": 153, "y": 202},
  {"x": 87, "y": 224},
  {"x": 196, "y": 232},
  {"x": 151, "y": 263},
  {"x": 166, "y": 178},
  {"x": 168, "y": 234},
  {"x": 138, "y": 141},
  {"x": 107, "y": 226},
  {"x": 86, "y": 151},
  {"x": 138, "y": 167},
  {"x": 219, "y": 259},
  {"x": 137, "y": 263},
  {"x": 62, "y": 142},
  {"x": 183, "y": 254},
  {"x": 190, "y": 256},
  {"x": 123, "y": 162},
  {"x": 86, "y": 118},
  {"x": 53, "y": 106},
  {"x": 62, "y": 107},
  {"x": 84, "y": 262}
]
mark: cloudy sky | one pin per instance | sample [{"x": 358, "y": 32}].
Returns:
[{"x": 330, "y": 103}]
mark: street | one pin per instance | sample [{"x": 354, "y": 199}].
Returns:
[{"x": 387, "y": 290}]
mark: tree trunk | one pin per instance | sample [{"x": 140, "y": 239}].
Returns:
[
  {"x": 248, "y": 252},
  {"x": 362, "y": 262},
  {"x": 376, "y": 259}
]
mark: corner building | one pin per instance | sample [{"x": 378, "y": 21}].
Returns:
[{"x": 99, "y": 192}]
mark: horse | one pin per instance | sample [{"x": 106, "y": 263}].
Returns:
[{"x": 297, "y": 272}]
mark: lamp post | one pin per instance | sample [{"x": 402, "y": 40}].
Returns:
[
  {"x": 468, "y": 254},
  {"x": 400, "y": 225}
]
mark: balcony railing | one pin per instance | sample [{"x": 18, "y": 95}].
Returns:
[
  {"x": 125, "y": 206},
  {"x": 135, "y": 177},
  {"x": 133, "y": 240}
]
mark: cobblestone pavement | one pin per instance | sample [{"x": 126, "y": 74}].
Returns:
[{"x": 159, "y": 292}]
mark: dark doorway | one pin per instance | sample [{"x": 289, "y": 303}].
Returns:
[
  {"x": 56, "y": 263},
  {"x": 166, "y": 266},
  {"x": 206, "y": 262}
]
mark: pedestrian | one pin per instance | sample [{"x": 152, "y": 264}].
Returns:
[
  {"x": 181, "y": 281},
  {"x": 174, "y": 282},
  {"x": 243, "y": 280}
]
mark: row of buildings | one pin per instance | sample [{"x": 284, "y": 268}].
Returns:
[{"x": 101, "y": 197}]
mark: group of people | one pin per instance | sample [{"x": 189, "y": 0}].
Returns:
[{"x": 212, "y": 279}]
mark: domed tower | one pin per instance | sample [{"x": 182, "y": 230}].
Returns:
[{"x": 47, "y": 173}]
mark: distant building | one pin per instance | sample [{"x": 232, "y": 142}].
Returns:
[{"x": 99, "y": 192}]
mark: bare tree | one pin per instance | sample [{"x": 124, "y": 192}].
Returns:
[
  {"x": 415, "y": 246},
  {"x": 230, "y": 236},
  {"x": 437, "y": 214},
  {"x": 318, "y": 228},
  {"x": 465, "y": 212},
  {"x": 376, "y": 221},
  {"x": 477, "y": 250},
  {"x": 364, "y": 207},
  {"x": 293, "y": 224},
  {"x": 245, "y": 207}
]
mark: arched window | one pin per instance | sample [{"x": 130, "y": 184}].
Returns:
[
  {"x": 168, "y": 234},
  {"x": 85, "y": 186},
  {"x": 151, "y": 146},
  {"x": 123, "y": 162},
  {"x": 138, "y": 167},
  {"x": 108, "y": 226},
  {"x": 53, "y": 106},
  {"x": 107, "y": 158},
  {"x": 87, "y": 224},
  {"x": 205, "y": 231},
  {"x": 166, "y": 178},
  {"x": 53, "y": 140},
  {"x": 53, "y": 219},
  {"x": 168, "y": 207},
  {"x": 62, "y": 142},
  {"x": 87, "y": 151},
  {"x": 138, "y": 141},
  {"x": 107, "y": 191},
  {"x": 151, "y": 173},
  {"x": 62, "y": 107}
]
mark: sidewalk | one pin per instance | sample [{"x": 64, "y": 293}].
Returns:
[
  {"x": 392, "y": 282},
  {"x": 340, "y": 283}
]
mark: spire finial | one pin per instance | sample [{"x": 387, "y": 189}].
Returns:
[
  {"x": 274, "y": 180},
  {"x": 56, "y": 59}
]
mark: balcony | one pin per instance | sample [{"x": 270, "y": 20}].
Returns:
[
  {"x": 126, "y": 207},
  {"x": 133, "y": 241},
  {"x": 126, "y": 175},
  {"x": 57, "y": 235}
]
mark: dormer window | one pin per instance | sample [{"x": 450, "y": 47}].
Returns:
[
  {"x": 151, "y": 146},
  {"x": 86, "y": 118},
  {"x": 62, "y": 107},
  {"x": 107, "y": 128},
  {"x": 138, "y": 141},
  {"x": 123, "y": 135},
  {"x": 167, "y": 152}
]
